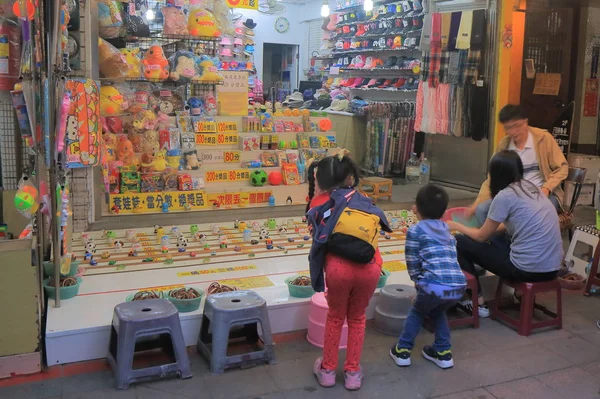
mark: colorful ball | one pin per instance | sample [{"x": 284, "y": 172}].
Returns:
[
  {"x": 24, "y": 201},
  {"x": 275, "y": 178},
  {"x": 258, "y": 178}
]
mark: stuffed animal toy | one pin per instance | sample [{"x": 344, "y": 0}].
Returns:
[
  {"x": 152, "y": 142},
  {"x": 110, "y": 147},
  {"x": 111, "y": 62},
  {"x": 132, "y": 56},
  {"x": 109, "y": 19},
  {"x": 160, "y": 161},
  {"x": 203, "y": 23},
  {"x": 195, "y": 104},
  {"x": 209, "y": 70},
  {"x": 137, "y": 140},
  {"x": 210, "y": 104},
  {"x": 156, "y": 65},
  {"x": 112, "y": 101},
  {"x": 184, "y": 67},
  {"x": 125, "y": 152},
  {"x": 147, "y": 163},
  {"x": 191, "y": 161},
  {"x": 175, "y": 21}
]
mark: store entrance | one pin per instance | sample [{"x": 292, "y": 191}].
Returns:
[{"x": 280, "y": 70}]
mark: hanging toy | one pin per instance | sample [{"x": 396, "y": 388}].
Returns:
[
  {"x": 156, "y": 65},
  {"x": 203, "y": 23},
  {"x": 26, "y": 198}
]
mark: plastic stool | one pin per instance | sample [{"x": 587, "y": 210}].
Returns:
[
  {"x": 376, "y": 187},
  {"x": 392, "y": 308},
  {"x": 226, "y": 310},
  {"x": 156, "y": 320},
  {"x": 472, "y": 319},
  {"x": 317, "y": 318},
  {"x": 525, "y": 324}
]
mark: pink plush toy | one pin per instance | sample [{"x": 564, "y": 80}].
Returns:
[{"x": 175, "y": 21}]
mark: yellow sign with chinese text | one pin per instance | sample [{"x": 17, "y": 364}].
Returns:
[
  {"x": 227, "y": 138},
  {"x": 206, "y": 139},
  {"x": 249, "y": 4},
  {"x": 207, "y": 157},
  {"x": 206, "y": 127},
  {"x": 248, "y": 283},
  {"x": 227, "y": 127},
  {"x": 232, "y": 95},
  {"x": 222, "y": 176},
  {"x": 394, "y": 266},
  {"x": 215, "y": 271},
  {"x": 239, "y": 199},
  {"x": 131, "y": 203}
]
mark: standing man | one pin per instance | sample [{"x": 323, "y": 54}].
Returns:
[{"x": 543, "y": 161}]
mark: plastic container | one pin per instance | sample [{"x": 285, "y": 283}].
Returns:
[
  {"x": 317, "y": 317},
  {"x": 65, "y": 292},
  {"x": 424, "y": 172},
  {"x": 458, "y": 215},
  {"x": 49, "y": 269},
  {"x": 187, "y": 305},
  {"x": 412, "y": 169},
  {"x": 383, "y": 278},
  {"x": 298, "y": 291}
]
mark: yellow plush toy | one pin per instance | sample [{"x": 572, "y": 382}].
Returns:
[
  {"x": 209, "y": 70},
  {"x": 160, "y": 162},
  {"x": 112, "y": 101},
  {"x": 134, "y": 61},
  {"x": 203, "y": 23}
]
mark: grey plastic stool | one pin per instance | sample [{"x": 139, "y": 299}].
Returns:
[
  {"x": 392, "y": 308},
  {"x": 141, "y": 326},
  {"x": 223, "y": 312}
]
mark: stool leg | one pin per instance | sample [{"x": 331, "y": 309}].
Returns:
[
  {"x": 526, "y": 315},
  {"x": 474, "y": 299},
  {"x": 220, "y": 341},
  {"x": 267, "y": 337},
  {"x": 181, "y": 356},
  {"x": 124, "y": 360},
  {"x": 593, "y": 273},
  {"x": 496, "y": 306}
]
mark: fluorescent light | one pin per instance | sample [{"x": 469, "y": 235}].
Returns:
[
  {"x": 150, "y": 15},
  {"x": 325, "y": 9},
  {"x": 368, "y": 5}
]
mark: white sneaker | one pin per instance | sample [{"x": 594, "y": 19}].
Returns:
[{"x": 482, "y": 310}]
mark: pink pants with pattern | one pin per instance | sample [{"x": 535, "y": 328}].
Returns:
[{"x": 350, "y": 286}]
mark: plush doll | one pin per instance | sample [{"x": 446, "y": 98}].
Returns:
[
  {"x": 147, "y": 163},
  {"x": 109, "y": 19},
  {"x": 110, "y": 147},
  {"x": 195, "y": 104},
  {"x": 160, "y": 161},
  {"x": 132, "y": 56},
  {"x": 112, "y": 101},
  {"x": 111, "y": 62},
  {"x": 184, "y": 66},
  {"x": 175, "y": 21},
  {"x": 152, "y": 141},
  {"x": 209, "y": 70},
  {"x": 202, "y": 23},
  {"x": 191, "y": 161},
  {"x": 210, "y": 104},
  {"x": 137, "y": 140},
  {"x": 125, "y": 152},
  {"x": 156, "y": 65}
]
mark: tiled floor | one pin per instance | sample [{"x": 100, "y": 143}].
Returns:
[{"x": 491, "y": 362}]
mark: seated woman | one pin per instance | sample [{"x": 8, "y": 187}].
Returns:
[{"x": 533, "y": 249}]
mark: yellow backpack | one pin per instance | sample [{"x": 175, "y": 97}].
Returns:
[{"x": 355, "y": 236}]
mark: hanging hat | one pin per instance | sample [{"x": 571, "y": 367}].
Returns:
[
  {"x": 226, "y": 41},
  {"x": 236, "y": 42},
  {"x": 226, "y": 52},
  {"x": 250, "y": 24}
]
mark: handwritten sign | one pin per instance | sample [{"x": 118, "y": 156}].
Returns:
[
  {"x": 232, "y": 95},
  {"x": 207, "y": 157},
  {"x": 249, "y": 4},
  {"x": 206, "y": 139},
  {"x": 547, "y": 84},
  {"x": 227, "y": 127},
  {"x": 131, "y": 203},
  {"x": 221, "y": 176},
  {"x": 205, "y": 127}
]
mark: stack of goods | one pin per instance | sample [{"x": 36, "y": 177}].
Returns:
[
  {"x": 454, "y": 100},
  {"x": 390, "y": 137},
  {"x": 237, "y": 51}
]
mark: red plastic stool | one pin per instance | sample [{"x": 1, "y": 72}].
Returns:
[
  {"x": 525, "y": 323},
  {"x": 474, "y": 318}
]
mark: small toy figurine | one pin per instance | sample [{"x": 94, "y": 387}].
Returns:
[
  {"x": 242, "y": 226},
  {"x": 118, "y": 245},
  {"x": 215, "y": 229},
  {"x": 105, "y": 255},
  {"x": 132, "y": 252},
  {"x": 271, "y": 201},
  {"x": 192, "y": 254},
  {"x": 269, "y": 246},
  {"x": 306, "y": 238},
  {"x": 160, "y": 232},
  {"x": 272, "y": 223},
  {"x": 93, "y": 262},
  {"x": 237, "y": 248},
  {"x": 165, "y": 207},
  {"x": 289, "y": 200},
  {"x": 264, "y": 234},
  {"x": 247, "y": 235},
  {"x": 110, "y": 235},
  {"x": 155, "y": 64},
  {"x": 115, "y": 209},
  {"x": 156, "y": 227},
  {"x": 200, "y": 237},
  {"x": 194, "y": 229},
  {"x": 291, "y": 239},
  {"x": 236, "y": 224},
  {"x": 175, "y": 231},
  {"x": 254, "y": 242},
  {"x": 255, "y": 227},
  {"x": 283, "y": 231}
]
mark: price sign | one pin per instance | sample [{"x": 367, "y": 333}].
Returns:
[
  {"x": 206, "y": 139},
  {"x": 206, "y": 127},
  {"x": 249, "y": 4},
  {"x": 227, "y": 127},
  {"x": 227, "y": 138},
  {"x": 130, "y": 203},
  {"x": 222, "y": 176},
  {"x": 219, "y": 156}
]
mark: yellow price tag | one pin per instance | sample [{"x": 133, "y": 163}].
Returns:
[{"x": 206, "y": 127}]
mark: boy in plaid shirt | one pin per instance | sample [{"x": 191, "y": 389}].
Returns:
[{"x": 433, "y": 266}]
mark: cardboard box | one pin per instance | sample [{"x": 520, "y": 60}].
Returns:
[
  {"x": 586, "y": 197},
  {"x": 589, "y": 162}
]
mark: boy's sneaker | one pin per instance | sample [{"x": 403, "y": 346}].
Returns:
[
  {"x": 401, "y": 356},
  {"x": 442, "y": 359},
  {"x": 326, "y": 378},
  {"x": 483, "y": 310},
  {"x": 353, "y": 379}
]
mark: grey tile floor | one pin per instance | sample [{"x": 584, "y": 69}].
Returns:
[{"x": 491, "y": 362}]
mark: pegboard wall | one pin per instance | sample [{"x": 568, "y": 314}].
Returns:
[{"x": 11, "y": 165}]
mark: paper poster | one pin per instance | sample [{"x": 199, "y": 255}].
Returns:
[
  {"x": 547, "y": 84},
  {"x": 232, "y": 95},
  {"x": 590, "y": 99}
]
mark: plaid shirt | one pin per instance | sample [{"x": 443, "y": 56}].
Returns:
[
  {"x": 444, "y": 66},
  {"x": 435, "y": 58},
  {"x": 425, "y": 67},
  {"x": 428, "y": 260},
  {"x": 472, "y": 68}
]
